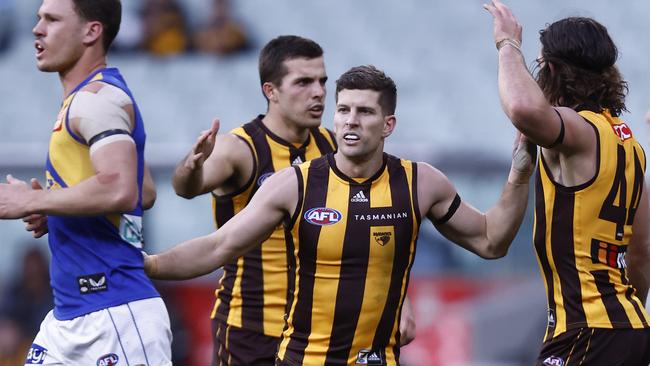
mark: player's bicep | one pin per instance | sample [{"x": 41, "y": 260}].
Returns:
[{"x": 231, "y": 156}]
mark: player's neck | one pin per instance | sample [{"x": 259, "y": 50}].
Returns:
[
  {"x": 285, "y": 130},
  {"x": 83, "y": 68},
  {"x": 360, "y": 167}
]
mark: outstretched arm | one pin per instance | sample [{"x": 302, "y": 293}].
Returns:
[
  {"x": 638, "y": 252},
  {"x": 275, "y": 200},
  {"x": 487, "y": 234}
]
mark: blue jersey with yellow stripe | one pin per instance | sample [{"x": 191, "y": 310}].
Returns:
[{"x": 96, "y": 260}]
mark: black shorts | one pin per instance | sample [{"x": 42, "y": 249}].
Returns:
[
  {"x": 235, "y": 346},
  {"x": 596, "y": 347}
]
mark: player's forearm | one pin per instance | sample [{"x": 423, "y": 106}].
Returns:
[
  {"x": 189, "y": 259},
  {"x": 521, "y": 97},
  {"x": 187, "y": 182},
  {"x": 100, "y": 194},
  {"x": 503, "y": 221}
]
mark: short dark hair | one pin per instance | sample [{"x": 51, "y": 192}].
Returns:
[
  {"x": 369, "y": 77},
  {"x": 280, "y": 49},
  {"x": 107, "y": 12},
  {"x": 584, "y": 74}
]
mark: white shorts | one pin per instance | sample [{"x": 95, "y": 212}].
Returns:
[{"x": 133, "y": 334}]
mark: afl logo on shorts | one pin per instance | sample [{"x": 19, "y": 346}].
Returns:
[
  {"x": 322, "y": 216},
  {"x": 108, "y": 360}
]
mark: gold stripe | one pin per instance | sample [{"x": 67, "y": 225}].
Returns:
[{"x": 328, "y": 268}]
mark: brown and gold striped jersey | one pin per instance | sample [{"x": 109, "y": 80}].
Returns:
[
  {"x": 353, "y": 247},
  {"x": 253, "y": 290},
  {"x": 582, "y": 233}
]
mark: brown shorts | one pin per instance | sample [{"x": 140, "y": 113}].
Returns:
[
  {"x": 235, "y": 346},
  {"x": 596, "y": 347}
]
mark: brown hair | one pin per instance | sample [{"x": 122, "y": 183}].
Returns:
[
  {"x": 280, "y": 49},
  {"x": 107, "y": 12},
  {"x": 584, "y": 76},
  {"x": 369, "y": 77}
]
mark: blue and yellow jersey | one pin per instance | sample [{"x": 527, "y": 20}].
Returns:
[{"x": 96, "y": 260}]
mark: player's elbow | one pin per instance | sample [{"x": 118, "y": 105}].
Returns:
[
  {"x": 124, "y": 200},
  {"x": 494, "y": 251}
]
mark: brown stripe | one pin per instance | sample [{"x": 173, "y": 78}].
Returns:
[
  {"x": 563, "y": 249},
  {"x": 540, "y": 248},
  {"x": 636, "y": 190},
  {"x": 628, "y": 295},
  {"x": 400, "y": 195},
  {"x": 252, "y": 275},
  {"x": 223, "y": 211},
  {"x": 352, "y": 279},
  {"x": 308, "y": 234},
  {"x": 321, "y": 142},
  {"x": 614, "y": 308},
  {"x": 291, "y": 248}
]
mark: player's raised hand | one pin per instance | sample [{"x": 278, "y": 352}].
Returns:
[
  {"x": 36, "y": 223},
  {"x": 506, "y": 25},
  {"x": 203, "y": 147}
]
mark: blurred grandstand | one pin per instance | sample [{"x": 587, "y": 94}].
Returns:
[{"x": 442, "y": 57}]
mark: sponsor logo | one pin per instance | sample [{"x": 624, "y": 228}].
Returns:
[
  {"x": 369, "y": 357},
  {"x": 36, "y": 355},
  {"x": 383, "y": 237},
  {"x": 383, "y": 216},
  {"x": 110, "y": 359},
  {"x": 89, "y": 284},
  {"x": 622, "y": 131},
  {"x": 359, "y": 197},
  {"x": 322, "y": 216},
  {"x": 553, "y": 361},
  {"x": 297, "y": 161},
  {"x": 551, "y": 318},
  {"x": 263, "y": 177},
  {"x": 131, "y": 230},
  {"x": 608, "y": 254}
]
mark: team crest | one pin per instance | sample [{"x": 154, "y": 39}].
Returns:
[
  {"x": 553, "y": 361},
  {"x": 382, "y": 237},
  {"x": 322, "y": 216}
]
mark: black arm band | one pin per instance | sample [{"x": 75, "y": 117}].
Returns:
[
  {"x": 452, "y": 210},
  {"x": 560, "y": 137},
  {"x": 105, "y": 134}
]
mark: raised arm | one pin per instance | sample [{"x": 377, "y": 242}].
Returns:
[
  {"x": 214, "y": 161},
  {"x": 276, "y": 199},
  {"x": 638, "y": 252},
  {"x": 522, "y": 99},
  {"x": 490, "y": 234}
]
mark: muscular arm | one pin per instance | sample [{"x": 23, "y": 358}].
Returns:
[
  {"x": 638, "y": 252},
  {"x": 275, "y": 200},
  {"x": 214, "y": 161},
  {"x": 524, "y": 102},
  {"x": 490, "y": 234}
]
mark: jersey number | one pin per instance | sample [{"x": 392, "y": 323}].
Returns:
[{"x": 621, "y": 214}]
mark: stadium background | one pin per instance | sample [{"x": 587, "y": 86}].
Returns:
[{"x": 442, "y": 57}]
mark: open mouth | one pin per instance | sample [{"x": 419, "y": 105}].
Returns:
[
  {"x": 317, "y": 109},
  {"x": 39, "y": 49},
  {"x": 351, "y": 137}
]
